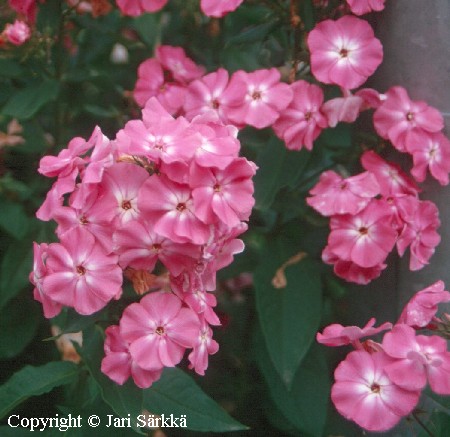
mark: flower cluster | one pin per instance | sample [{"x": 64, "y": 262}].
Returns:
[
  {"x": 370, "y": 214},
  {"x": 379, "y": 383},
  {"x": 167, "y": 195}
]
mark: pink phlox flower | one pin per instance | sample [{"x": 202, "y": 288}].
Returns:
[
  {"x": 423, "y": 306},
  {"x": 335, "y": 195},
  {"x": 219, "y": 8},
  {"x": 371, "y": 98},
  {"x": 419, "y": 233},
  {"x": 365, "y": 238},
  {"x": 49, "y": 306},
  {"x": 225, "y": 195},
  {"x": 81, "y": 275},
  {"x": 256, "y": 98},
  {"x": 361, "y": 7},
  {"x": 302, "y": 121},
  {"x": 417, "y": 358},
  {"x": 398, "y": 118},
  {"x": 152, "y": 83},
  {"x": 338, "y": 335},
  {"x": 17, "y": 33},
  {"x": 391, "y": 178},
  {"x": 25, "y": 7},
  {"x": 346, "y": 108},
  {"x": 431, "y": 151},
  {"x": 344, "y": 52},
  {"x": 175, "y": 61},
  {"x": 135, "y": 8},
  {"x": 364, "y": 393},
  {"x": 170, "y": 207},
  {"x": 140, "y": 247},
  {"x": 207, "y": 94},
  {"x": 92, "y": 216},
  {"x": 118, "y": 364},
  {"x": 159, "y": 330},
  {"x": 123, "y": 181},
  {"x": 217, "y": 144},
  {"x": 204, "y": 347}
]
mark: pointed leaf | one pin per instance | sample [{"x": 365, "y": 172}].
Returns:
[
  {"x": 34, "y": 381},
  {"x": 177, "y": 393}
]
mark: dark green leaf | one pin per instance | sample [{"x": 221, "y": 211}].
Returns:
[
  {"x": 148, "y": 26},
  {"x": 289, "y": 316},
  {"x": 13, "y": 219},
  {"x": 18, "y": 323},
  {"x": 34, "y": 381},
  {"x": 311, "y": 387},
  {"x": 10, "y": 68},
  {"x": 253, "y": 34},
  {"x": 14, "y": 270},
  {"x": 26, "y": 102},
  {"x": 177, "y": 393},
  {"x": 278, "y": 167},
  {"x": 123, "y": 399}
]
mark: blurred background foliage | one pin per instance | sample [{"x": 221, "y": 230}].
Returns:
[{"x": 268, "y": 375}]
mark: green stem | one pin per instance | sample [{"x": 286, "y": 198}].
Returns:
[{"x": 419, "y": 421}]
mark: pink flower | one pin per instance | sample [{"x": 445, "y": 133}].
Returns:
[
  {"x": 344, "y": 52},
  {"x": 204, "y": 346},
  {"x": 301, "y": 122},
  {"x": 170, "y": 207},
  {"x": 159, "y": 330},
  {"x": 225, "y": 195},
  {"x": 365, "y": 238},
  {"x": 432, "y": 151},
  {"x": 256, "y": 98},
  {"x": 421, "y": 220},
  {"x": 138, "y": 7},
  {"x": 398, "y": 118},
  {"x": 338, "y": 335},
  {"x": 17, "y": 33},
  {"x": 336, "y": 195},
  {"x": 417, "y": 358},
  {"x": 423, "y": 306},
  {"x": 50, "y": 307},
  {"x": 364, "y": 393},
  {"x": 346, "y": 108},
  {"x": 81, "y": 275},
  {"x": 391, "y": 178},
  {"x": 206, "y": 94},
  {"x": 25, "y": 7},
  {"x": 361, "y": 7},
  {"x": 175, "y": 61},
  {"x": 219, "y": 8},
  {"x": 118, "y": 364}
]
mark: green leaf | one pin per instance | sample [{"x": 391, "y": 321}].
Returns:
[
  {"x": 16, "y": 331},
  {"x": 253, "y": 34},
  {"x": 10, "y": 68},
  {"x": 176, "y": 393},
  {"x": 148, "y": 26},
  {"x": 14, "y": 270},
  {"x": 278, "y": 168},
  {"x": 34, "y": 381},
  {"x": 13, "y": 219},
  {"x": 26, "y": 102},
  {"x": 289, "y": 316},
  {"x": 123, "y": 399},
  {"x": 305, "y": 404}
]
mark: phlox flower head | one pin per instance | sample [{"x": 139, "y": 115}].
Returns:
[
  {"x": 335, "y": 195},
  {"x": 204, "y": 346},
  {"x": 344, "y": 52},
  {"x": 159, "y": 329},
  {"x": 418, "y": 359},
  {"x": 135, "y": 8},
  {"x": 423, "y": 306},
  {"x": 403, "y": 121},
  {"x": 361, "y": 7},
  {"x": 338, "y": 335},
  {"x": 363, "y": 392},
  {"x": 27, "y": 8},
  {"x": 256, "y": 98},
  {"x": 302, "y": 120},
  {"x": 17, "y": 33},
  {"x": 219, "y": 8}
]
